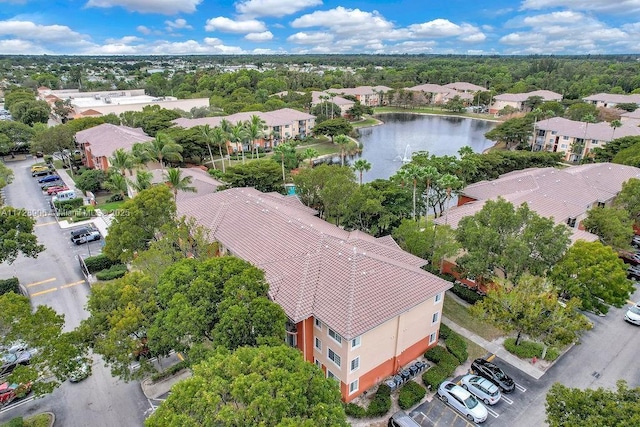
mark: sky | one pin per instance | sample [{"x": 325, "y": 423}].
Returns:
[{"x": 176, "y": 27}]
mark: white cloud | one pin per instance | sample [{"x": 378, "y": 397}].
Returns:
[
  {"x": 144, "y": 30},
  {"x": 30, "y": 31},
  {"x": 178, "y": 24},
  {"x": 343, "y": 20},
  {"x": 277, "y": 8},
  {"x": 259, "y": 37},
  {"x": 124, "y": 40},
  {"x": 310, "y": 38},
  {"x": 19, "y": 47},
  {"x": 473, "y": 38},
  {"x": 165, "y": 7},
  {"x": 227, "y": 25},
  {"x": 565, "y": 17},
  {"x": 603, "y": 6}
]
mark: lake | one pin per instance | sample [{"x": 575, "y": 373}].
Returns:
[{"x": 401, "y": 134}]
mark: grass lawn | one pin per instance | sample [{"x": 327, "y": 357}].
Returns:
[
  {"x": 110, "y": 207},
  {"x": 365, "y": 122},
  {"x": 323, "y": 148},
  {"x": 474, "y": 350},
  {"x": 459, "y": 314},
  {"x": 432, "y": 110}
]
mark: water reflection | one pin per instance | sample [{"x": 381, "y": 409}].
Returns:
[{"x": 385, "y": 146}]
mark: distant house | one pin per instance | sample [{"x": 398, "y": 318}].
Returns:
[
  {"x": 631, "y": 119},
  {"x": 359, "y": 307},
  {"x": 438, "y": 95},
  {"x": 518, "y": 100},
  {"x": 465, "y": 87},
  {"x": 610, "y": 100},
  {"x": 285, "y": 123},
  {"x": 564, "y": 195},
  {"x": 577, "y": 139},
  {"x": 99, "y": 142},
  {"x": 370, "y": 96},
  {"x": 320, "y": 97}
]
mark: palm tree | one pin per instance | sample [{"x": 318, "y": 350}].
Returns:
[
  {"x": 238, "y": 135},
  {"x": 413, "y": 173},
  {"x": 219, "y": 139},
  {"x": 255, "y": 131},
  {"x": 226, "y": 126},
  {"x": 310, "y": 153},
  {"x": 361, "y": 165},
  {"x": 430, "y": 173},
  {"x": 343, "y": 141},
  {"x": 122, "y": 161},
  {"x": 142, "y": 182},
  {"x": 614, "y": 124},
  {"x": 162, "y": 148},
  {"x": 140, "y": 155},
  {"x": 174, "y": 179},
  {"x": 116, "y": 184},
  {"x": 206, "y": 133},
  {"x": 282, "y": 150}
]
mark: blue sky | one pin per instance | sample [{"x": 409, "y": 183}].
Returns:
[{"x": 151, "y": 27}]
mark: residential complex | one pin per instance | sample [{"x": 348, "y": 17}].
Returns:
[
  {"x": 99, "y": 142},
  {"x": 519, "y": 100},
  {"x": 437, "y": 94},
  {"x": 609, "y": 100},
  {"x": 370, "y": 96},
  {"x": 358, "y": 306}
]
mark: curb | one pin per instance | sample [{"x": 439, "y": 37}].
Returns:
[{"x": 53, "y": 418}]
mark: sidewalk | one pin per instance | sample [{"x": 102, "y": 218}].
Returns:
[
  {"x": 498, "y": 349},
  {"x": 153, "y": 390}
]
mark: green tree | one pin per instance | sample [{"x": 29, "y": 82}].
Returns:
[
  {"x": 56, "y": 139},
  {"x": 580, "y": 110},
  {"x": 342, "y": 141},
  {"x": 593, "y": 273},
  {"x": 530, "y": 307},
  {"x": 174, "y": 179},
  {"x": 90, "y": 180},
  {"x": 281, "y": 151},
  {"x": 310, "y": 153},
  {"x": 238, "y": 136},
  {"x": 335, "y": 195},
  {"x": 614, "y": 226},
  {"x": 311, "y": 182},
  {"x": 142, "y": 181},
  {"x": 139, "y": 222},
  {"x": 40, "y": 328},
  {"x": 16, "y": 235},
  {"x": 629, "y": 198},
  {"x": 18, "y": 135},
  {"x": 6, "y": 177},
  {"x": 414, "y": 174},
  {"x": 455, "y": 104},
  {"x": 217, "y": 138},
  {"x": 333, "y": 128},
  {"x": 614, "y": 125},
  {"x": 263, "y": 175},
  {"x": 512, "y": 240},
  {"x": 117, "y": 184},
  {"x": 122, "y": 161},
  {"x": 361, "y": 166},
  {"x": 162, "y": 148},
  {"x": 255, "y": 131},
  {"x": 431, "y": 242},
  {"x": 567, "y": 407},
  {"x": 513, "y": 132},
  {"x": 291, "y": 392}
]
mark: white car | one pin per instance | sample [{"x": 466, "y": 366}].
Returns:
[
  {"x": 89, "y": 236},
  {"x": 482, "y": 388},
  {"x": 633, "y": 314},
  {"x": 462, "y": 401}
]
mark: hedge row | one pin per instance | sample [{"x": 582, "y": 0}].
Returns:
[
  {"x": 445, "y": 360},
  {"x": 113, "y": 272},
  {"x": 530, "y": 349},
  {"x": 410, "y": 394},
  {"x": 445, "y": 331},
  {"x": 381, "y": 402},
  {"x": 69, "y": 205},
  {"x": 469, "y": 295},
  {"x": 457, "y": 346},
  {"x": 98, "y": 263},
  {"x": 173, "y": 369},
  {"x": 10, "y": 285},
  {"x": 434, "y": 376}
]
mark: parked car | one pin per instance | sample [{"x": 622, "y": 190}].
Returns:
[
  {"x": 56, "y": 189},
  {"x": 81, "y": 230},
  {"x": 462, "y": 401},
  {"x": 630, "y": 257},
  {"x": 86, "y": 237},
  {"x": 82, "y": 369},
  {"x": 11, "y": 392},
  {"x": 633, "y": 272},
  {"x": 635, "y": 241},
  {"x": 11, "y": 360},
  {"x": 633, "y": 314},
  {"x": 402, "y": 419},
  {"x": 494, "y": 374},
  {"x": 49, "y": 178},
  {"x": 48, "y": 185},
  {"x": 481, "y": 388},
  {"x": 40, "y": 171}
]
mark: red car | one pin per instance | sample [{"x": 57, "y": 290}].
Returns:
[
  {"x": 10, "y": 392},
  {"x": 55, "y": 190}
]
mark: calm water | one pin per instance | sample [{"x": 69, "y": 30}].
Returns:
[{"x": 385, "y": 146}]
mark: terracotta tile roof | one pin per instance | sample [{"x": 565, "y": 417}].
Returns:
[
  {"x": 317, "y": 98},
  {"x": 614, "y": 98},
  {"x": 546, "y": 95},
  {"x": 360, "y": 90},
  {"x": 631, "y": 114},
  {"x": 283, "y": 116},
  {"x": 597, "y": 131},
  {"x": 106, "y": 138},
  {"x": 464, "y": 86},
  {"x": 201, "y": 180},
  {"x": 431, "y": 88},
  {"x": 351, "y": 281}
]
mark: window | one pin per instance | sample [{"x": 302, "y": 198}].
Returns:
[
  {"x": 318, "y": 324},
  {"x": 594, "y": 142},
  {"x": 317, "y": 362},
  {"x": 330, "y": 375},
  {"x": 435, "y": 317},
  {"x": 566, "y": 138},
  {"x": 563, "y": 146},
  {"x": 333, "y": 334},
  {"x": 553, "y": 132},
  {"x": 601, "y": 204},
  {"x": 432, "y": 338},
  {"x": 355, "y": 363},
  {"x": 571, "y": 222},
  {"x": 318, "y": 344},
  {"x": 439, "y": 297},
  {"x": 333, "y": 357},
  {"x": 353, "y": 387},
  {"x": 355, "y": 342}
]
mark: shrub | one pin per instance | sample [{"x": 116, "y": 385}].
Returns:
[
  {"x": 445, "y": 331},
  {"x": 10, "y": 285},
  {"x": 98, "y": 263},
  {"x": 113, "y": 272},
  {"x": 433, "y": 377},
  {"x": 69, "y": 205},
  {"x": 436, "y": 354},
  {"x": 468, "y": 295},
  {"x": 15, "y": 422},
  {"x": 381, "y": 402},
  {"x": 446, "y": 361},
  {"x": 171, "y": 370},
  {"x": 115, "y": 198},
  {"x": 530, "y": 349},
  {"x": 90, "y": 180},
  {"x": 457, "y": 346},
  {"x": 355, "y": 411},
  {"x": 410, "y": 394}
]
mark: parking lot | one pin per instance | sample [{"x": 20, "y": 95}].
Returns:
[{"x": 438, "y": 413}]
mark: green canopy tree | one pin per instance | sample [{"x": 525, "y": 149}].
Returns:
[
  {"x": 253, "y": 386},
  {"x": 311, "y": 182},
  {"x": 567, "y": 406},
  {"x": 614, "y": 226},
  {"x": 264, "y": 176},
  {"x": 140, "y": 220},
  {"x": 513, "y": 132},
  {"x": 431, "y": 242},
  {"x": 629, "y": 199},
  {"x": 333, "y": 128},
  {"x": 593, "y": 273},
  {"x": 509, "y": 239},
  {"x": 16, "y": 235},
  {"x": 530, "y": 307},
  {"x": 90, "y": 180},
  {"x": 162, "y": 148},
  {"x": 310, "y": 153},
  {"x": 6, "y": 177}
]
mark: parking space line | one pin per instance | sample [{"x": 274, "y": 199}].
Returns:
[
  {"x": 42, "y": 282},
  {"x": 631, "y": 302},
  {"x": 506, "y": 399},
  {"x": 519, "y": 387},
  {"x": 43, "y": 292},
  {"x": 491, "y": 412},
  {"x": 45, "y": 223},
  {"x": 71, "y": 284},
  {"x": 490, "y": 358}
]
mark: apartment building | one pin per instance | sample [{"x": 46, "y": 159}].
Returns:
[
  {"x": 99, "y": 142},
  {"x": 358, "y": 306},
  {"x": 370, "y": 96},
  {"x": 610, "y": 100}
]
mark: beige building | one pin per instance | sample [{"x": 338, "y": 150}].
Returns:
[
  {"x": 370, "y": 96},
  {"x": 610, "y": 100},
  {"x": 358, "y": 306},
  {"x": 631, "y": 118},
  {"x": 438, "y": 95},
  {"x": 99, "y": 142},
  {"x": 519, "y": 100}
]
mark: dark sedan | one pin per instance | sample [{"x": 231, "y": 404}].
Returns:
[
  {"x": 630, "y": 258},
  {"x": 633, "y": 272},
  {"x": 49, "y": 178},
  {"x": 494, "y": 374}
]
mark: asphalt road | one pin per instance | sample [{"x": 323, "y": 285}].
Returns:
[{"x": 54, "y": 279}]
